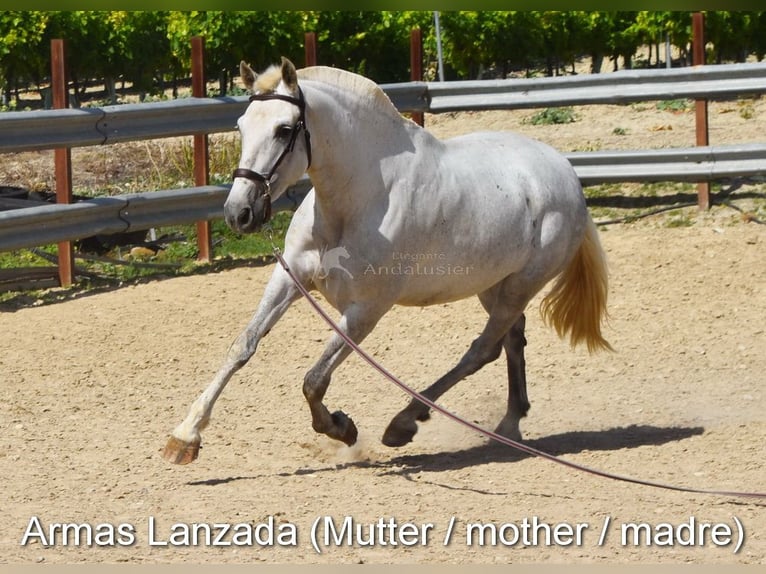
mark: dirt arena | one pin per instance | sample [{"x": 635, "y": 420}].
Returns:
[{"x": 94, "y": 384}]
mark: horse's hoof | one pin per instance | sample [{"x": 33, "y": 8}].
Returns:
[
  {"x": 399, "y": 433},
  {"x": 509, "y": 429},
  {"x": 180, "y": 452},
  {"x": 347, "y": 429}
]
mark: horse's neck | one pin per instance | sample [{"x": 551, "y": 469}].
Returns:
[{"x": 350, "y": 142}]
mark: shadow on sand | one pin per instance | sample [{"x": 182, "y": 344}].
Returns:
[{"x": 558, "y": 445}]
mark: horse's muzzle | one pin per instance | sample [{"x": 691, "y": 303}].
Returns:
[{"x": 248, "y": 217}]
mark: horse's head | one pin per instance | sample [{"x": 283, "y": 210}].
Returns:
[{"x": 274, "y": 155}]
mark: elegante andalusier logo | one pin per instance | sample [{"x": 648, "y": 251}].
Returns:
[
  {"x": 414, "y": 264},
  {"x": 435, "y": 264},
  {"x": 329, "y": 259}
]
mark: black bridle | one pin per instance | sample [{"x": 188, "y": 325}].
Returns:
[{"x": 300, "y": 125}]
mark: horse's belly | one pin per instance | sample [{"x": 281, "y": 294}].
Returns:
[{"x": 436, "y": 282}]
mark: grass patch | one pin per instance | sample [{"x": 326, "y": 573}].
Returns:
[
  {"x": 679, "y": 220},
  {"x": 677, "y": 106},
  {"x": 25, "y": 258},
  {"x": 746, "y": 109},
  {"x": 256, "y": 244},
  {"x": 552, "y": 116}
]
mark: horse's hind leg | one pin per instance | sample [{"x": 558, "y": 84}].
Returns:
[
  {"x": 518, "y": 403},
  {"x": 506, "y": 310}
]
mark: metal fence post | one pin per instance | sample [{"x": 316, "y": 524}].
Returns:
[
  {"x": 62, "y": 158},
  {"x": 201, "y": 147},
  {"x": 416, "y": 66},
  {"x": 700, "y": 106}
]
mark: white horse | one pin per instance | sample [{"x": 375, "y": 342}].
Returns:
[{"x": 423, "y": 221}]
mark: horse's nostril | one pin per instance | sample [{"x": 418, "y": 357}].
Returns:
[{"x": 245, "y": 217}]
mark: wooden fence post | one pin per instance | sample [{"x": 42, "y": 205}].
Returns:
[
  {"x": 416, "y": 66},
  {"x": 201, "y": 147},
  {"x": 62, "y": 157},
  {"x": 310, "y": 45},
  {"x": 701, "y": 108}
]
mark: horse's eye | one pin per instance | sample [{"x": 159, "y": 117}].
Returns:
[{"x": 284, "y": 131}]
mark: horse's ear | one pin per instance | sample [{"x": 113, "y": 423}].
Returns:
[
  {"x": 289, "y": 75},
  {"x": 247, "y": 74}
]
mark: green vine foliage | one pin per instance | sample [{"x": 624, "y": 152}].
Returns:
[{"x": 149, "y": 50}]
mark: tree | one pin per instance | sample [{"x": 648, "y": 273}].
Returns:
[
  {"x": 511, "y": 41},
  {"x": 678, "y": 26},
  {"x": 89, "y": 53},
  {"x": 145, "y": 49},
  {"x": 596, "y": 29},
  {"x": 654, "y": 29},
  {"x": 625, "y": 38},
  {"x": 375, "y": 44},
  {"x": 562, "y": 34},
  {"x": 726, "y": 45},
  {"x": 257, "y": 37},
  {"x": 21, "y": 34},
  {"x": 757, "y": 34}
]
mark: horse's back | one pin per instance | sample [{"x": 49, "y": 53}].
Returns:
[
  {"x": 516, "y": 159},
  {"x": 510, "y": 177}
]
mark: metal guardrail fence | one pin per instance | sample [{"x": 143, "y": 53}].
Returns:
[
  {"x": 36, "y": 130},
  {"x": 29, "y": 227},
  {"x": 48, "y": 129},
  {"x": 51, "y": 223},
  {"x": 22, "y": 131},
  {"x": 676, "y": 164},
  {"x": 622, "y": 87}
]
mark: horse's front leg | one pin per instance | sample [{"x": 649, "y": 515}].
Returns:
[
  {"x": 184, "y": 443},
  {"x": 356, "y": 322}
]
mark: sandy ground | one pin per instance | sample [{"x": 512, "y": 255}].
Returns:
[{"x": 94, "y": 384}]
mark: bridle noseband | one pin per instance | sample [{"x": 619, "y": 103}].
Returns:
[{"x": 257, "y": 177}]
